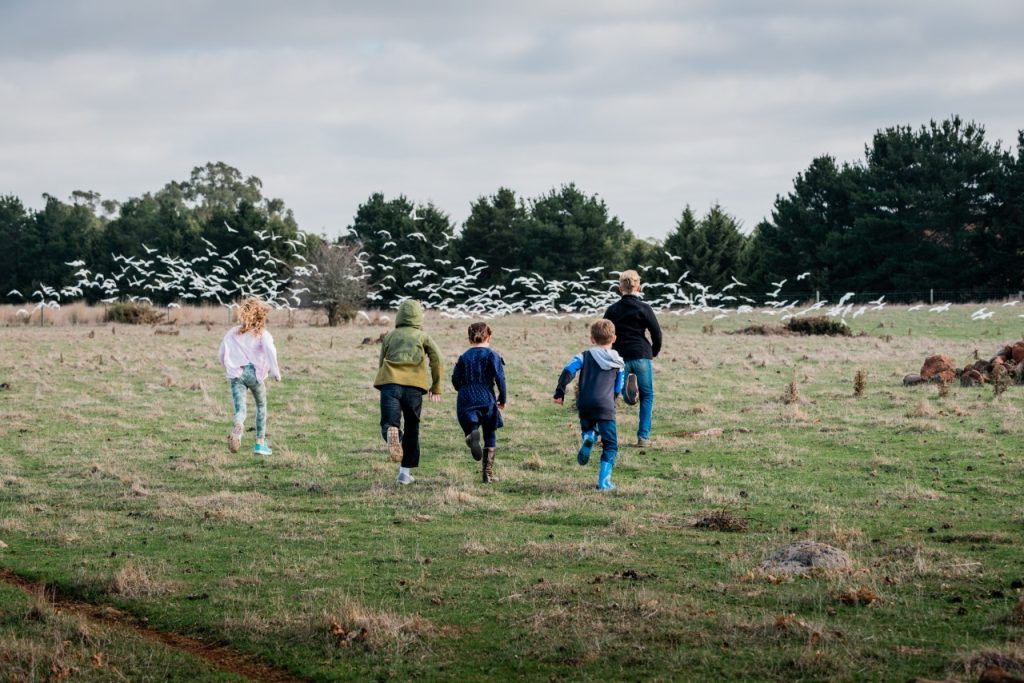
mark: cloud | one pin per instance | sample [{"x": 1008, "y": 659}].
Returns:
[{"x": 652, "y": 105}]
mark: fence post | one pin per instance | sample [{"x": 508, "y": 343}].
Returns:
[
  {"x": 817, "y": 296},
  {"x": 931, "y": 296}
]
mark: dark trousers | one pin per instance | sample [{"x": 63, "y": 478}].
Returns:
[
  {"x": 484, "y": 418},
  {"x": 396, "y": 402}
]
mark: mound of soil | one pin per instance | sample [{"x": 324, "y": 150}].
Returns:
[
  {"x": 802, "y": 556},
  {"x": 763, "y": 330},
  {"x": 938, "y": 366},
  {"x": 1005, "y": 367}
]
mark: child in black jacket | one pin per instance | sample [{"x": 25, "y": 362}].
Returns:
[{"x": 601, "y": 378}]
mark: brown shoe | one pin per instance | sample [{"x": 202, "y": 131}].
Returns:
[
  {"x": 394, "y": 444},
  {"x": 488, "y": 466},
  {"x": 643, "y": 443}
]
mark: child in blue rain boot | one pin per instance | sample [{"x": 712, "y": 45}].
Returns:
[{"x": 602, "y": 375}]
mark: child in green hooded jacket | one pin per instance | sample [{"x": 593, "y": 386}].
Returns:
[{"x": 402, "y": 380}]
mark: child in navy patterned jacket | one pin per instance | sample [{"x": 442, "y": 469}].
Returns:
[
  {"x": 476, "y": 373},
  {"x": 602, "y": 375}
]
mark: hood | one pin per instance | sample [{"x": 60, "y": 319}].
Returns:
[
  {"x": 410, "y": 314},
  {"x": 607, "y": 359}
]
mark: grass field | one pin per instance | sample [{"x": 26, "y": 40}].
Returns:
[{"x": 116, "y": 487}]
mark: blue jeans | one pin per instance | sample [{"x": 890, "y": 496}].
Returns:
[
  {"x": 239, "y": 385},
  {"x": 609, "y": 437},
  {"x": 644, "y": 371}
]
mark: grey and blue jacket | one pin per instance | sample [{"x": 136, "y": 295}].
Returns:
[{"x": 601, "y": 379}]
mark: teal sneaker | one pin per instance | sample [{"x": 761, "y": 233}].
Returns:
[
  {"x": 589, "y": 439},
  {"x": 262, "y": 449}
]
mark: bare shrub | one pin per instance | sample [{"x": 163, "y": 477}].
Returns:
[
  {"x": 792, "y": 394},
  {"x": 1000, "y": 380},
  {"x": 337, "y": 284},
  {"x": 859, "y": 383}
]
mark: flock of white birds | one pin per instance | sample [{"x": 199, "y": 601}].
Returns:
[{"x": 456, "y": 291}]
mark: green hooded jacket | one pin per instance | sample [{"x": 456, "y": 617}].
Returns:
[{"x": 404, "y": 353}]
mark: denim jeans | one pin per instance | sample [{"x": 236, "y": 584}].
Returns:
[
  {"x": 643, "y": 368},
  {"x": 398, "y": 401},
  {"x": 239, "y": 385},
  {"x": 608, "y": 432}
]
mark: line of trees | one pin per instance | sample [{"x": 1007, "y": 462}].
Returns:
[{"x": 934, "y": 206}]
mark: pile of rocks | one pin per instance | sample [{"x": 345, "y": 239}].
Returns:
[{"x": 1007, "y": 362}]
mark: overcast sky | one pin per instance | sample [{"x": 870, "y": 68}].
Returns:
[{"x": 650, "y": 104}]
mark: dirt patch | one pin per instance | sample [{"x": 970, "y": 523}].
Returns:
[
  {"x": 763, "y": 330},
  {"x": 721, "y": 520},
  {"x": 217, "y": 655}
]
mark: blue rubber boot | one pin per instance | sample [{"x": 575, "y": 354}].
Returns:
[
  {"x": 589, "y": 439},
  {"x": 604, "y": 478}
]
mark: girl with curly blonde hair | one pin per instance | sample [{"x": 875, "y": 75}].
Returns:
[{"x": 248, "y": 355}]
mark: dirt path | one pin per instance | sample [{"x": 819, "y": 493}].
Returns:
[{"x": 219, "y": 656}]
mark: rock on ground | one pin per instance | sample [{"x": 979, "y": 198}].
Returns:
[{"x": 938, "y": 365}]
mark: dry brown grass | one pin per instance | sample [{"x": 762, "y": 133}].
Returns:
[
  {"x": 337, "y": 621},
  {"x": 586, "y": 549},
  {"x": 453, "y": 496},
  {"x": 134, "y": 580},
  {"x": 923, "y": 408},
  {"x": 80, "y": 313},
  {"x": 226, "y": 505},
  {"x": 534, "y": 463}
]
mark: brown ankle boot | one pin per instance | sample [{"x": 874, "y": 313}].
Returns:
[{"x": 488, "y": 466}]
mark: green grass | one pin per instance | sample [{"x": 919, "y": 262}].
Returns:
[
  {"x": 39, "y": 643},
  {"x": 116, "y": 486}
]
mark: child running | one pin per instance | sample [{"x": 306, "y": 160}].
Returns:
[
  {"x": 476, "y": 373},
  {"x": 601, "y": 378},
  {"x": 402, "y": 381},
  {"x": 248, "y": 355}
]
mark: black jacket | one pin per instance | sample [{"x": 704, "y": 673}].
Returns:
[{"x": 633, "y": 317}]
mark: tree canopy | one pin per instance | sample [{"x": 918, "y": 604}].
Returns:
[{"x": 936, "y": 206}]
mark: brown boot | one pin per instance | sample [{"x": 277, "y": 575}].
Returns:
[{"x": 488, "y": 466}]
